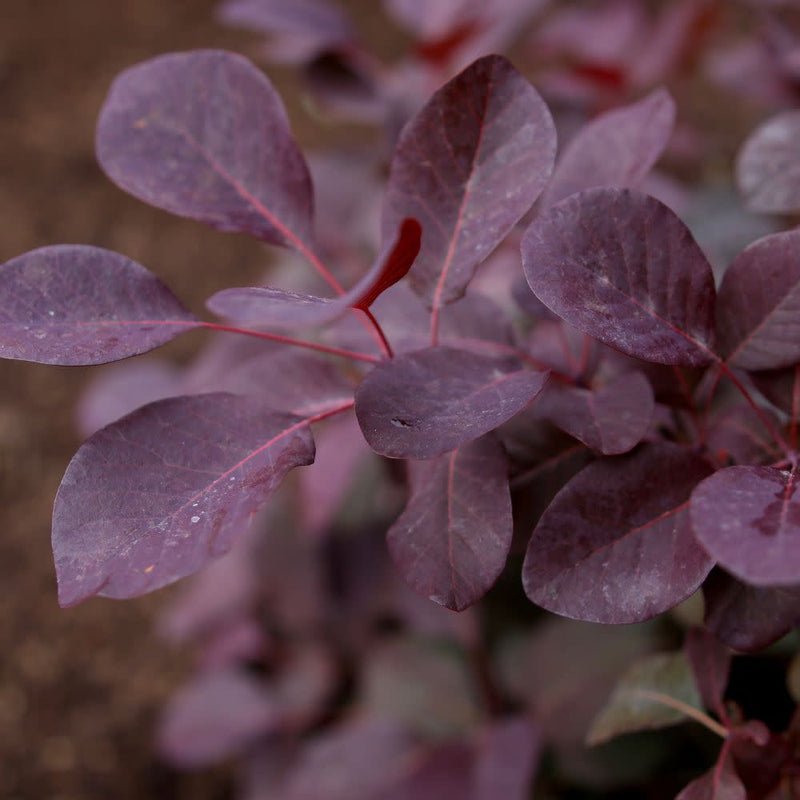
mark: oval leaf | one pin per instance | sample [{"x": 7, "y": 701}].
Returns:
[
  {"x": 637, "y": 701},
  {"x": 623, "y": 268},
  {"x": 204, "y": 135},
  {"x": 214, "y": 717},
  {"x": 748, "y": 519},
  {"x": 617, "y": 148},
  {"x": 267, "y": 306},
  {"x": 160, "y": 493},
  {"x": 749, "y": 618},
  {"x": 426, "y": 403},
  {"x": 76, "y": 304},
  {"x": 451, "y": 541},
  {"x": 611, "y": 420},
  {"x": 758, "y": 306},
  {"x": 468, "y": 166},
  {"x": 768, "y": 165},
  {"x": 615, "y": 545}
]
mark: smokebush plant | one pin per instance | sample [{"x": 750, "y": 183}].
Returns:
[{"x": 605, "y": 409}]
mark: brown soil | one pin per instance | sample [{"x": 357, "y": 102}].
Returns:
[{"x": 80, "y": 688}]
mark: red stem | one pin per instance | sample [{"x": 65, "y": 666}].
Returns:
[{"x": 274, "y": 337}]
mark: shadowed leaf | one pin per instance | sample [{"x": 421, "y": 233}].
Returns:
[
  {"x": 758, "y": 306},
  {"x": 710, "y": 661},
  {"x": 636, "y": 704},
  {"x": 719, "y": 783},
  {"x": 749, "y": 618},
  {"x": 451, "y": 541},
  {"x": 617, "y": 148},
  {"x": 76, "y": 304},
  {"x": 611, "y": 420}
]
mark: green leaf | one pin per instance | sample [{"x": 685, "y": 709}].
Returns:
[{"x": 653, "y": 693}]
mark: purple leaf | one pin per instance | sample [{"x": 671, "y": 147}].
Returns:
[
  {"x": 267, "y": 306},
  {"x": 758, "y": 306},
  {"x": 749, "y": 618},
  {"x": 564, "y": 349},
  {"x": 635, "y": 703},
  {"x": 611, "y": 420},
  {"x": 203, "y": 134},
  {"x": 288, "y": 380},
  {"x": 710, "y": 661},
  {"x": 508, "y": 752},
  {"x": 352, "y": 762},
  {"x": 615, "y": 545},
  {"x": 444, "y": 771},
  {"x": 75, "y": 304},
  {"x": 768, "y": 165},
  {"x": 428, "y": 402},
  {"x": 620, "y": 266},
  {"x": 719, "y": 783},
  {"x": 214, "y": 716},
  {"x": 781, "y": 387},
  {"x": 748, "y": 519},
  {"x": 120, "y": 389},
  {"x": 451, "y": 541},
  {"x": 468, "y": 166},
  {"x": 160, "y": 493},
  {"x": 319, "y": 19},
  {"x": 617, "y": 148},
  {"x": 739, "y": 434}
]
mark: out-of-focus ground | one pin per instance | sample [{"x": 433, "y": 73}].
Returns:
[{"x": 80, "y": 688}]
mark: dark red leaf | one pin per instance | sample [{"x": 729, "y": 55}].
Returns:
[
  {"x": 758, "y": 306},
  {"x": 468, "y": 166},
  {"x": 451, "y": 542},
  {"x": 719, "y": 783},
  {"x": 122, "y": 388},
  {"x": 768, "y": 166},
  {"x": 711, "y": 663},
  {"x": 281, "y": 308},
  {"x": 748, "y": 519},
  {"x": 617, "y": 148},
  {"x": 615, "y": 545},
  {"x": 781, "y": 387},
  {"x": 75, "y": 304},
  {"x": 444, "y": 771},
  {"x": 620, "y": 266},
  {"x": 749, "y": 618},
  {"x": 739, "y": 434},
  {"x": 288, "y": 380},
  {"x": 507, "y": 755},
  {"x": 214, "y": 716},
  {"x": 426, "y": 403},
  {"x": 163, "y": 491},
  {"x": 611, "y": 420},
  {"x": 203, "y": 134}
]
